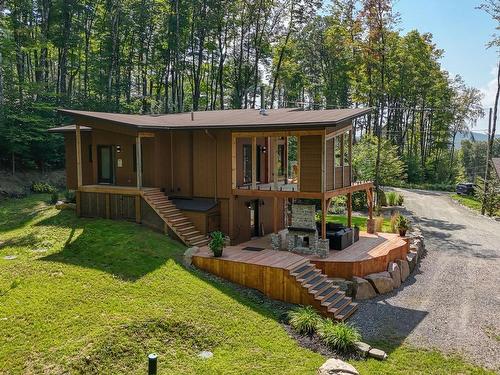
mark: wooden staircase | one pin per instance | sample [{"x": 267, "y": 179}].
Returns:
[
  {"x": 174, "y": 218},
  {"x": 323, "y": 294}
]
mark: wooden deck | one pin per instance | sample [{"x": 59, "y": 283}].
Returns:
[
  {"x": 114, "y": 189},
  {"x": 372, "y": 253},
  {"x": 303, "y": 279}
]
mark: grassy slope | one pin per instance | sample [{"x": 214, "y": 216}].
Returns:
[{"x": 106, "y": 293}]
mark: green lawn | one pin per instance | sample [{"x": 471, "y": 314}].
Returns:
[
  {"x": 96, "y": 296},
  {"x": 468, "y": 201},
  {"x": 360, "y": 221}
]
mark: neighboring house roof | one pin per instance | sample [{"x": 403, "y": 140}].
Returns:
[
  {"x": 69, "y": 128},
  {"x": 496, "y": 164},
  {"x": 227, "y": 119}
]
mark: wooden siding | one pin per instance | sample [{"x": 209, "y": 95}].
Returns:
[
  {"x": 70, "y": 159},
  {"x": 310, "y": 163}
]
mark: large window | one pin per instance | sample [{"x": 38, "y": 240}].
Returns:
[
  {"x": 338, "y": 151},
  {"x": 347, "y": 141}
]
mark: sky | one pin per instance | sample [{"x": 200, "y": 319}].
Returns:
[{"x": 462, "y": 31}]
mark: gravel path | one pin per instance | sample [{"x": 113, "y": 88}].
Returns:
[{"x": 452, "y": 302}]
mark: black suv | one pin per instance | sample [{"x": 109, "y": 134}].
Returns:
[{"x": 465, "y": 188}]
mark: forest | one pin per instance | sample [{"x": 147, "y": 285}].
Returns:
[{"x": 167, "y": 56}]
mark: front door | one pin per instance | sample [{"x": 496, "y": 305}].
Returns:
[
  {"x": 105, "y": 170},
  {"x": 254, "y": 219}
]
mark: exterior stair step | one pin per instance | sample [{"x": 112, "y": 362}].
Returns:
[{"x": 347, "y": 311}]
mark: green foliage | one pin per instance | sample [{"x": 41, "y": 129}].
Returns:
[
  {"x": 364, "y": 160},
  {"x": 492, "y": 197},
  {"x": 381, "y": 198},
  {"x": 359, "y": 221},
  {"x": 54, "y": 197},
  {"x": 391, "y": 198},
  {"x": 70, "y": 196},
  {"x": 359, "y": 201},
  {"x": 305, "y": 320},
  {"x": 42, "y": 187},
  {"x": 400, "y": 199},
  {"x": 339, "y": 336},
  {"x": 425, "y": 186},
  {"x": 216, "y": 243},
  {"x": 402, "y": 222}
]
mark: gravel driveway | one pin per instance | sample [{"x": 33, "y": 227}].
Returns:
[{"x": 452, "y": 302}]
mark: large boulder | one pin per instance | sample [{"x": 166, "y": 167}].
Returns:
[
  {"x": 405, "y": 269},
  {"x": 188, "y": 255},
  {"x": 381, "y": 281},
  {"x": 412, "y": 259},
  {"x": 335, "y": 366},
  {"x": 363, "y": 289},
  {"x": 395, "y": 273},
  {"x": 377, "y": 353}
]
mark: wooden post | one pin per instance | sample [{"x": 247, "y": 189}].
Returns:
[
  {"x": 78, "y": 157},
  {"x": 138, "y": 217},
  {"x": 323, "y": 163},
  {"x": 350, "y": 157},
  {"x": 275, "y": 162},
  {"x": 349, "y": 210},
  {"x": 334, "y": 167},
  {"x": 233, "y": 161},
  {"x": 254, "y": 163},
  {"x": 323, "y": 218},
  {"x": 370, "y": 191},
  {"x": 231, "y": 217},
  {"x": 138, "y": 156},
  {"x": 342, "y": 150},
  {"x": 298, "y": 163},
  {"x": 78, "y": 203},
  {"x": 108, "y": 206},
  {"x": 275, "y": 215}
]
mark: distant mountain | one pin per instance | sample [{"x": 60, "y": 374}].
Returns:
[{"x": 478, "y": 137}]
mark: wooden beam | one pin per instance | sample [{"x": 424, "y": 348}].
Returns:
[
  {"x": 298, "y": 163},
  {"x": 349, "y": 210},
  {"x": 350, "y": 157},
  {"x": 275, "y": 161},
  {"x": 370, "y": 202},
  {"x": 146, "y": 135},
  {"x": 138, "y": 217},
  {"x": 323, "y": 163},
  {"x": 276, "y": 193},
  {"x": 334, "y": 167},
  {"x": 254, "y": 163},
  {"x": 349, "y": 189},
  {"x": 78, "y": 156},
  {"x": 335, "y": 133},
  {"x": 283, "y": 133},
  {"x": 233, "y": 161},
  {"x": 138, "y": 156},
  {"x": 323, "y": 218}
]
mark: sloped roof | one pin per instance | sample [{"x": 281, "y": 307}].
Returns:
[
  {"x": 68, "y": 128},
  {"x": 226, "y": 119}
]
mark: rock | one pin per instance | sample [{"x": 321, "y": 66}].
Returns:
[
  {"x": 362, "y": 347},
  {"x": 60, "y": 205},
  {"x": 412, "y": 259},
  {"x": 405, "y": 269},
  {"x": 377, "y": 353},
  {"x": 381, "y": 281},
  {"x": 363, "y": 289},
  {"x": 188, "y": 255},
  {"x": 335, "y": 366},
  {"x": 9, "y": 257},
  {"x": 395, "y": 273},
  {"x": 344, "y": 285},
  {"x": 205, "y": 354}
]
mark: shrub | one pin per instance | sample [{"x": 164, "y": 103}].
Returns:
[
  {"x": 402, "y": 223},
  {"x": 394, "y": 222},
  {"x": 379, "y": 222},
  {"x": 70, "y": 196},
  {"x": 391, "y": 198},
  {"x": 54, "y": 197},
  {"x": 400, "y": 200},
  {"x": 216, "y": 243},
  {"x": 339, "y": 336},
  {"x": 304, "y": 320},
  {"x": 42, "y": 187}
]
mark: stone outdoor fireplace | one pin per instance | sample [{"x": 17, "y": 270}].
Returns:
[{"x": 302, "y": 236}]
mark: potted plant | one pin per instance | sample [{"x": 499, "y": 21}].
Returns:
[
  {"x": 217, "y": 243},
  {"x": 402, "y": 224}
]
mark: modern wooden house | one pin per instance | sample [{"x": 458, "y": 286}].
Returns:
[{"x": 237, "y": 171}]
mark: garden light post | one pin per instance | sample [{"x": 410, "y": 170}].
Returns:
[{"x": 152, "y": 364}]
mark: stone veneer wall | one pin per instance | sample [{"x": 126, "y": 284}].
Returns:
[{"x": 304, "y": 216}]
